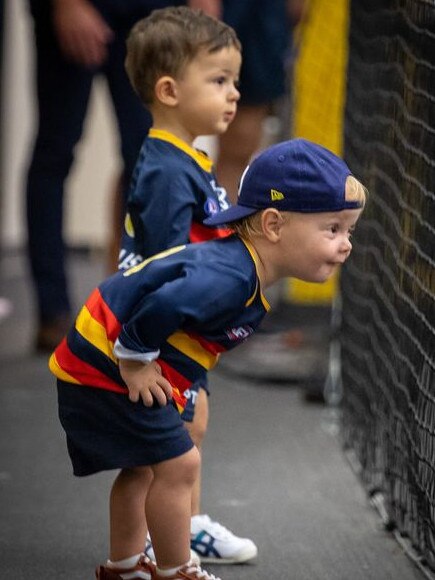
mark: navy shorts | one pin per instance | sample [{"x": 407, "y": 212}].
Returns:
[
  {"x": 105, "y": 430},
  {"x": 191, "y": 395}
]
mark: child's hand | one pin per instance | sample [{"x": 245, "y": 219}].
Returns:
[{"x": 145, "y": 381}]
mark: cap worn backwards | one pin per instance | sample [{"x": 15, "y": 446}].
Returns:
[{"x": 295, "y": 175}]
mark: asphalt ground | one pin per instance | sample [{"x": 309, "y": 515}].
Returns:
[{"x": 273, "y": 470}]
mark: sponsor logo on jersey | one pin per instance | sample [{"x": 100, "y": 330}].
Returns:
[
  {"x": 221, "y": 194},
  {"x": 239, "y": 333},
  {"x": 191, "y": 395},
  {"x": 128, "y": 260}
]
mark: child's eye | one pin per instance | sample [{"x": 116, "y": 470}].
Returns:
[{"x": 220, "y": 80}]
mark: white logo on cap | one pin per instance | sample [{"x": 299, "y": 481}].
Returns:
[{"x": 241, "y": 180}]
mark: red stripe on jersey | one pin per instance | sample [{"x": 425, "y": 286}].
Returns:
[
  {"x": 178, "y": 382},
  {"x": 102, "y": 314},
  {"x": 211, "y": 347},
  {"x": 83, "y": 372},
  {"x": 201, "y": 233}
]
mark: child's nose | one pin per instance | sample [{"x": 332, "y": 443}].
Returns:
[
  {"x": 345, "y": 248},
  {"x": 346, "y": 245},
  {"x": 235, "y": 94}
]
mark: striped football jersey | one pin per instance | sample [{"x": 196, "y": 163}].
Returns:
[{"x": 182, "y": 308}]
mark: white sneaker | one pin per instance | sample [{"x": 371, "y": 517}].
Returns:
[
  {"x": 149, "y": 552},
  {"x": 217, "y": 545}
]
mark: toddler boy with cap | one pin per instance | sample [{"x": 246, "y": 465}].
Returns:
[{"x": 144, "y": 335}]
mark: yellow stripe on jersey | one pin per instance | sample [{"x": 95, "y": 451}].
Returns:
[
  {"x": 177, "y": 394},
  {"x": 94, "y": 332},
  {"x": 193, "y": 349},
  {"x": 158, "y": 256},
  {"x": 266, "y": 304},
  {"x": 251, "y": 300},
  {"x": 59, "y": 372},
  {"x": 128, "y": 226},
  {"x": 254, "y": 257},
  {"x": 201, "y": 158}
]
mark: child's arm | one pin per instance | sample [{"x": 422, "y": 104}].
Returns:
[{"x": 145, "y": 381}]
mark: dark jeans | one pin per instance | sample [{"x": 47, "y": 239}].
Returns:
[{"x": 63, "y": 90}]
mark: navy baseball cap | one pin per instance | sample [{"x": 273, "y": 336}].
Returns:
[{"x": 295, "y": 175}]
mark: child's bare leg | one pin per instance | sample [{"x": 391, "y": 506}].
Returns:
[
  {"x": 168, "y": 506},
  {"x": 197, "y": 430},
  {"x": 128, "y": 526}
]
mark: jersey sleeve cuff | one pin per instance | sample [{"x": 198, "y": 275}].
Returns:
[{"x": 125, "y": 353}]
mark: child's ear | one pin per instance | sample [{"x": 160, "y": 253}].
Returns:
[
  {"x": 272, "y": 221},
  {"x": 166, "y": 91}
]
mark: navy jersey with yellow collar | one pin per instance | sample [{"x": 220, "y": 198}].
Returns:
[
  {"x": 183, "y": 308},
  {"x": 173, "y": 189}
]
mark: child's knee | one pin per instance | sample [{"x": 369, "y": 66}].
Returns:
[
  {"x": 189, "y": 465},
  {"x": 182, "y": 470}
]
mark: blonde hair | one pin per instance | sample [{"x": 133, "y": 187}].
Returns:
[
  {"x": 248, "y": 227},
  {"x": 167, "y": 40},
  {"x": 355, "y": 191}
]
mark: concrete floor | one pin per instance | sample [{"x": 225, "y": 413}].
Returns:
[{"x": 273, "y": 470}]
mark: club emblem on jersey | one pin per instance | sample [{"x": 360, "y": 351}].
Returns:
[
  {"x": 211, "y": 206},
  {"x": 239, "y": 333}
]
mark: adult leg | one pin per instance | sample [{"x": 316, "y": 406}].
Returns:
[
  {"x": 246, "y": 130},
  {"x": 264, "y": 30},
  {"x": 62, "y": 95},
  {"x": 133, "y": 119},
  {"x": 134, "y": 122},
  {"x": 117, "y": 216}
]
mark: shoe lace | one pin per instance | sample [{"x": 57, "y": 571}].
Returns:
[
  {"x": 218, "y": 530},
  {"x": 200, "y": 573}
]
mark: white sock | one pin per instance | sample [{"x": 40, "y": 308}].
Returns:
[
  {"x": 127, "y": 563},
  {"x": 169, "y": 572}
]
